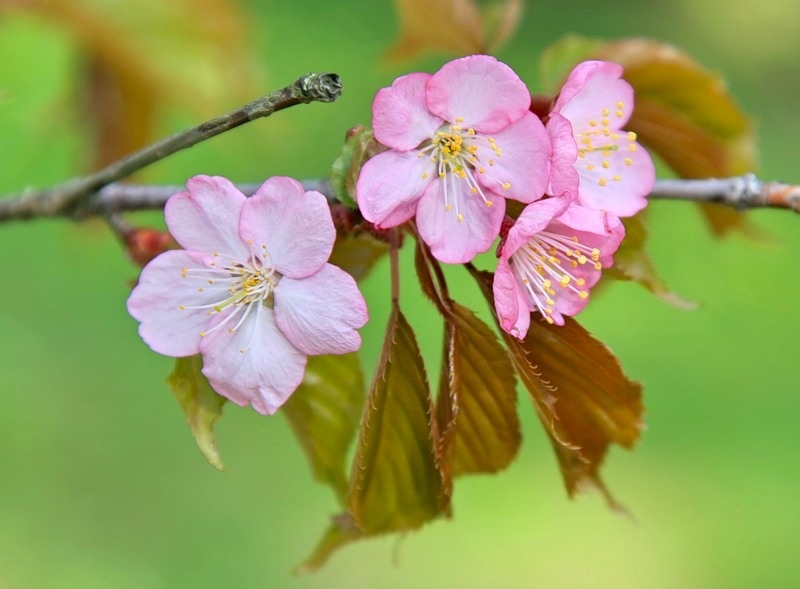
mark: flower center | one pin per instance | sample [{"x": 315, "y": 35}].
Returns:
[
  {"x": 602, "y": 137},
  {"x": 551, "y": 262},
  {"x": 237, "y": 284},
  {"x": 461, "y": 155}
]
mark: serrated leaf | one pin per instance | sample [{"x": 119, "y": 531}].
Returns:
[
  {"x": 581, "y": 395},
  {"x": 686, "y": 115},
  {"x": 476, "y": 408},
  {"x": 477, "y": 402},
  {"x": 632, "y": 262},
  {"x": 395, "y": 483},
  {"x": 324, "y": 413},
  {"x": 200, "y": 403}
]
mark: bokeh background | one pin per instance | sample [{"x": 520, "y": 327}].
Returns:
[{"x": 100, "y": 481}]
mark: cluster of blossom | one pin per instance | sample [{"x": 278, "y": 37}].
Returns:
[
  {"x": 463, "y": 140},
  {"x": 252, "y": 290}
]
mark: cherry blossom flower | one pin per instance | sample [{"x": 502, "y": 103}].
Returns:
[
  {"x": 549, "y": 260},
  {"x": 616, "y": 173},
  {"x": 461, "y": 141},
  {"x": 252, "y": 290}
]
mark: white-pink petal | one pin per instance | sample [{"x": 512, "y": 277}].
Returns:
[
  {"x": 510, "y": 301},
  {"x": 592, "y": 87},
  {"x": 520, "y": 171},
  {"x": 393, "y": 181},
  {"x": 294, "y": 225},
  {"x": 533, "y": 219},
  {"x": 564, "y": 151},
  {"x": 455, "y": 241},
  {"x": 255, "y": 365},
  {"x": 320, "y": 314},
  {"x": 616, "y": 180},
  {"x": 400, "y": 116},
  {"x": 164, "y": 287},
  {"x": 478, "y": 91},
  {"x": 206, "y": 217}
]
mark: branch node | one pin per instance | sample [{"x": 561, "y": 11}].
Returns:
[{"x": 325, "y": 87}]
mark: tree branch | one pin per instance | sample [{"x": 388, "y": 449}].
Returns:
[
  {"x": 740, "y": 192},
  {"x": 65, "y": 200}
]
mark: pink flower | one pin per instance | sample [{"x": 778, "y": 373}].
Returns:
[
  {"x": 252, "y": 291},
  {"x": 462, "y": 140},
  {"x": 550, "y": 259},
  {"x": 616, "y": 173}
]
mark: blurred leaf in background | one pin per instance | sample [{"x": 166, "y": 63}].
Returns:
[{"x": 102, "y": 485}]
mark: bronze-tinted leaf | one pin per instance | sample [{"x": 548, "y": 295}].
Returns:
[
  {"x": 138, "y": 56},
  {"x": 632, "y": 262},
  {"x": 324, "y": 413},
  {"x": 581, "y": 395},
  {"x": 462, "y": 27},
  {"x": 477, "y": 403},
  {"x": 343, "y": 530},
  {"x": 501, "y": 19},
  {"x": 476, "y": 408},
  {"x": 453, "y": 26},
  {"x": 685, "y": 114},
  {"x": 395, "y": 483},
  {"x": 200, "y": 403}
]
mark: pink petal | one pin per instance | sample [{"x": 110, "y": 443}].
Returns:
[
  {"x": 400, "y": 115},
  {"x": 206, "y": 218},
  {"x": 522, "y": 164},
  {"x": 156, "y": 302},
  {"x": 563, "y": 176},
  {"x": 616, "y": 180},
  {"x": 255, "y": 364},
  {"x": 393, "y": 181},
  {"x": 295, "y": 225},
  {"x": 320, "y": 314},
  {"x": 593, "y": 228},
  {"x": 592, "y": 87},
  {"x": 533, "y": 219},
  {"x": 510, "y": 302},
  {"x": 479, "y": 92},
  {"x": 453, "y": 241}
]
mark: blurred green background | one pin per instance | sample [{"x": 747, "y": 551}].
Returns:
[{"x": 100, "y": 482}]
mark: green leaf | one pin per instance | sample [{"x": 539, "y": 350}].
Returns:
[
  {"x": 342, "y": 531},
  {"x": 324, "y": 413},
  {"x": 581, "y": 395},
  {"x": 357, "y": 149},
  {"x": 632, "y": 262},
  {"x": 558, "y": 59},
  {"x": 396, "y": 484},
  {"x": 476, "y": 408},
  {"x": 200, "y": 403},
  {"x": 477, "y": 403}
]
